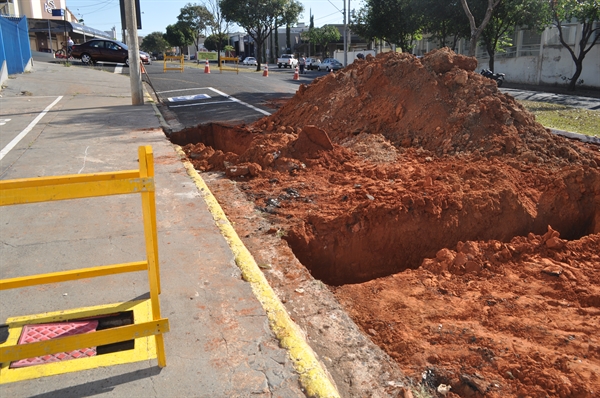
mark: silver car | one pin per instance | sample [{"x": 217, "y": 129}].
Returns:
[{"x": 330, "y": 64}]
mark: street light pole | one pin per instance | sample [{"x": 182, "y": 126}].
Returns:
[
  {"x": 135, "y": 76},
  {"x": 345, "y": 36}
]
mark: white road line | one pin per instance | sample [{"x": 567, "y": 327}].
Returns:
[
  {"x": 23, "y": 133},
  {"x": 183, "y": 89},
  {"x": 201, "y": 103},
  {"x": 240, "y": 102},
  {"x": 118, "y": 70}
]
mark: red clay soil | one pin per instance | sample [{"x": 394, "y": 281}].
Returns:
[{"x": 458, "y": 233}]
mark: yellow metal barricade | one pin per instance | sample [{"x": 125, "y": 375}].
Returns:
[
  {"x": 45, "y": 189},
  {"x": 235, "y": 61},
  {"x": 175, "y": 59}
]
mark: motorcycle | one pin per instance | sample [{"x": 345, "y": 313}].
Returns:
[{"x": 498, "y": 77}]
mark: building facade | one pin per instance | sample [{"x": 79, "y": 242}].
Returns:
[{"x": 47, "y": 32}]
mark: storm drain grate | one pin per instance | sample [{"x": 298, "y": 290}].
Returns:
[{"x": 48, "y": 331}]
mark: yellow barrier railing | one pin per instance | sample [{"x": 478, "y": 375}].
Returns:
[
  {"x": 235, "y": 60},
  {"x": 34, "y": 190},
  {"x": 173, "y": 58}
]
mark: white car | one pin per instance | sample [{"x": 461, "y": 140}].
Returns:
[{"x": 250, "y": 61}]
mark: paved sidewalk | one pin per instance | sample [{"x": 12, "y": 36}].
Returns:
[{"x": 220, "y": 343}]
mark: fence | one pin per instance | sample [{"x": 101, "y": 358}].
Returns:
[
  {"x": 14, "y": 44},
  {"x": 223, "y": 66},
  {"x": 44, "y": 189},
  {"x": 173, "y": 58}
]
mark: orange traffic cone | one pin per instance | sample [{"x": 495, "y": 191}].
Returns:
[
  {"x": 206, "y": 67},
  {"x": 266, "y": 71},
  {"x": 142, "y": 69},
  {"x": 296, "y": 75}
]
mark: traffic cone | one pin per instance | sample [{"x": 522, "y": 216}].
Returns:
[
  {"x": 142, "y": 69},
  {"x": 207, "y": 67},
  {"x": 331, "y": 71},
  {"x": 296, "y": 75},
  {"x": 266, "y": 71}
]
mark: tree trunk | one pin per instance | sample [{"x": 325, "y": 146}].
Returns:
[{"x": 575, "y": 77}]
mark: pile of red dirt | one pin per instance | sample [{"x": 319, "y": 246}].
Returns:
[{"x": 419, "y": 172}]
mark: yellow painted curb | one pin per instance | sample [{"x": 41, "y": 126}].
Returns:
[{"x": 313, "y": 376}]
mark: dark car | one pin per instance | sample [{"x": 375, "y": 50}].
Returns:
[{"x": 101, "y": 50}]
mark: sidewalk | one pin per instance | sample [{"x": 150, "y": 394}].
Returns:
[{"x": 220, "y": 343}]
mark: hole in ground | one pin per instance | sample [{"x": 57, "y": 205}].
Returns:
[{"x": 361, "y": 244}]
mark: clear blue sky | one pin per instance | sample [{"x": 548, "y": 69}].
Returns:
[{"x": 157, "y": 14}]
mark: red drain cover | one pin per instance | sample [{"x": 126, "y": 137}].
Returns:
[{"x": 48, "y": 331}]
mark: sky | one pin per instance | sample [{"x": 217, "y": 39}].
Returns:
[{"x": 157, "y": 14}]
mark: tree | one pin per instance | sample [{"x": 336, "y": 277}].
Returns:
[
  {"x": 586, "y": 12},
  {"x": 508, "y": 14},
  {"x": 258, "y": 17},
  {"x": 212, "y": 42},
  {"x": 219, "y": 26},
  {"x": 179, "y": 35},
  {"x": 443, "y": 19},
  {"x": 196, "y": 18},
  {"x": 323, "y": 36},
  {"x": 476, "y": 30},
  {"x": 154, "y": 43},
  {"x": 395, "y": 21}
]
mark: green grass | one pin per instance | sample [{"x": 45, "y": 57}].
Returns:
[{"x": 566, "y": 118}]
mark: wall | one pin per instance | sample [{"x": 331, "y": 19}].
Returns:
[{"x": 15, "y": 52}]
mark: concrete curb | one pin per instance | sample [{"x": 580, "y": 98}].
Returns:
[
  {"x": 576, "y": 136},
  {"x": 313, "y": 376}
]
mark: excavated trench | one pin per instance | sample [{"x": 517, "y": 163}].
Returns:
[{"x": 354, "y": 244}]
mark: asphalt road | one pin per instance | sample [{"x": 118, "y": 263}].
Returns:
[{"x": 197, "y": 97}]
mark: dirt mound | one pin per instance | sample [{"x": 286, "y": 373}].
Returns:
[
  {"x": 492, "y": 319},
  {"x": 436, "y": 103},
  {"x": 398, "y": 163}
]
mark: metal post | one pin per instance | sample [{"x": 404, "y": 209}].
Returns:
[
  {"x": 349, "y": 41},
  {"x": 135, "y": 76},
  {"x": 345, "y": 38}
]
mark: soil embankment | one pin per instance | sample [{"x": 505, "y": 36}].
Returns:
[{"x": 458, "y": 233}]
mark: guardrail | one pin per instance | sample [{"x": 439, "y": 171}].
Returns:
[
  {"x": 45, "y": 189},
  {"x": 235, "y": 60},
  {"x": 173, "y": 58}
]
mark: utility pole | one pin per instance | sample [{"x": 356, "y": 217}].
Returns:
[
  {"x": 135, "y": 76},
  {"x": 349, "y": 40},
  {"x": 345, "y": 36}
]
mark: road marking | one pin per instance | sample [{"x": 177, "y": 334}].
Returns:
[
  {"x": 118, "y": 70},
  {"x": 182, "y": 89},
  {"x": 240, "y": 102},
  {"x": 201, "y": 103},
  {"x": 188, "y": 97},
  {"x": 3, "y": 121},
  {"x": 23, "y": 133}
]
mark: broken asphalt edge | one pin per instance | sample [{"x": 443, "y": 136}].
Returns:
[{"x": 313, "y": 376}]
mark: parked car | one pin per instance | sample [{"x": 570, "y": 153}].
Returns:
[
  {"x": 312, "y": 63},
  {"x": 145, "y": 58},
  {"x": 329, "y": 64},
  {"x": 250, "y": 61},
  {"x": 101, "y": 50}
]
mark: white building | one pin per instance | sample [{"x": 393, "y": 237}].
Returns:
[{"x": 536, "y": 58}]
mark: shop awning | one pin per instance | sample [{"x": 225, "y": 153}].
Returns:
[{"x": 57, "y": 27}]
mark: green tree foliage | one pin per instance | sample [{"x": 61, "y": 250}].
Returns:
[
  {"x": 212, "y": 42},
  {"x": 154, "y": 43},
  {"x": 259, "y": 17},
  {"x": 532, "y": 14},
  {"x": 477, "y": 30},
  {"x": 323, "y": 36},
  {"x": 586, "y": 12},
  {"x": 197, "y": 18},
  {"x": 179, "y": 35},
  {"x": 444, "y": 20},
  {"x": 395, "y": 21}
]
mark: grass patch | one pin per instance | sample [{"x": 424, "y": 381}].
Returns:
[{"x": 564, "y": 117}]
